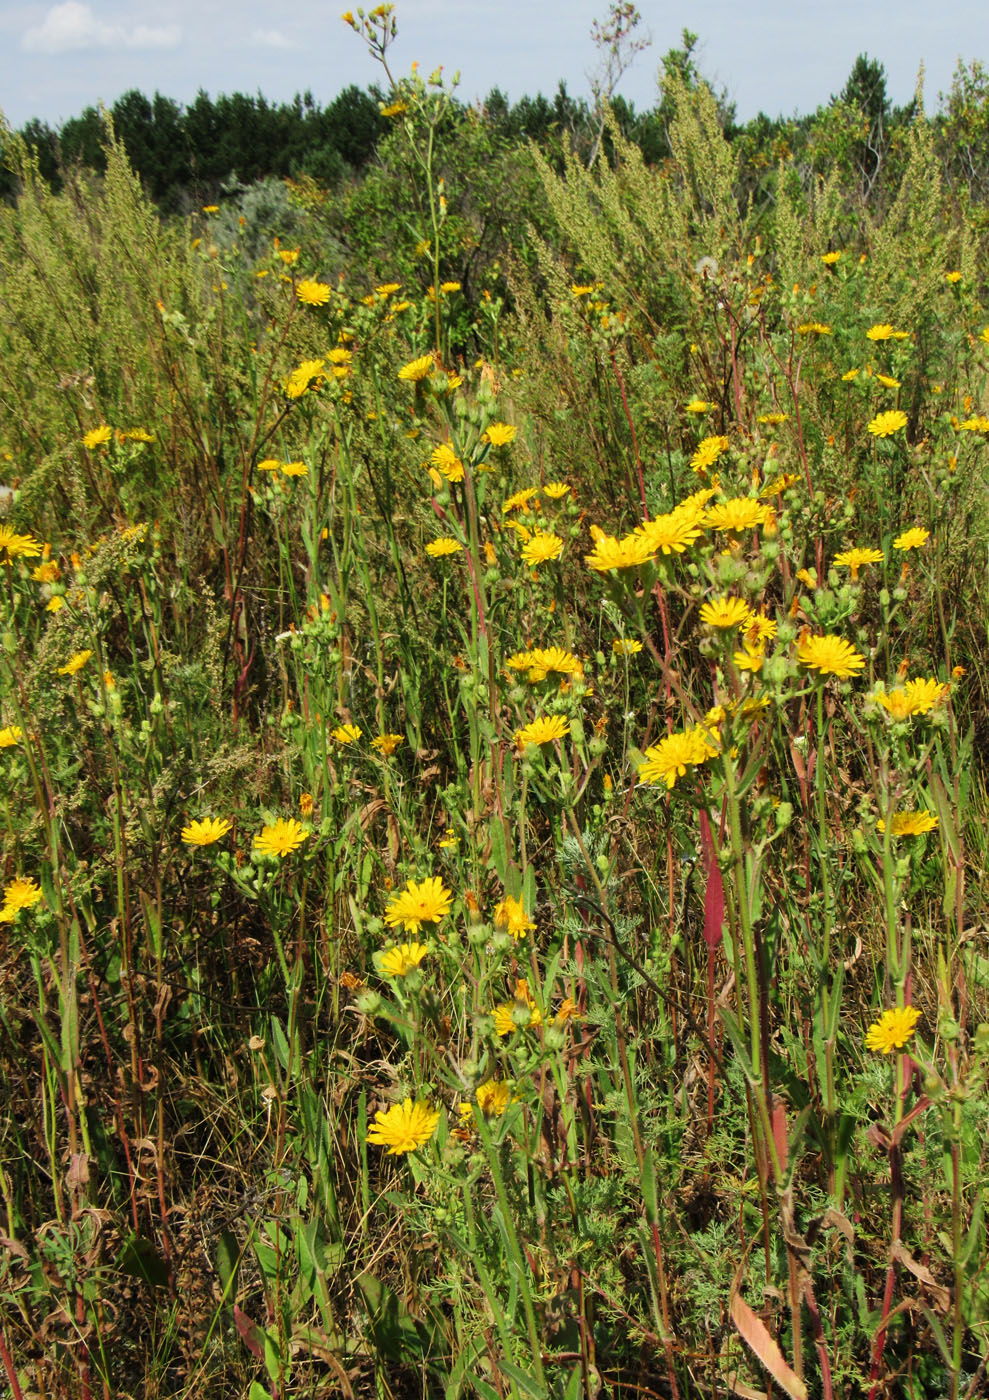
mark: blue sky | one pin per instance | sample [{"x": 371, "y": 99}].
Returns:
[{"x": 775, "y": 55}]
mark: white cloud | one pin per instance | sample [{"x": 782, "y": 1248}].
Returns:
[
  {"x": 73, "y": 25},
  {"x": 271, "y": 39}
]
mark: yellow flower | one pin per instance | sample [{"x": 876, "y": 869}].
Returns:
[
  {"x": 510, "y": 915},
  {"x": 518, "y": 1014},
  {"x": 751, "y": 658},
  {"x": 449, "y": 287},
  {"x": 346, "y": 733},
  {"x": 885, "y": 424},
  {"x": 520, "y": 500},
  {"x": 952, "y": 277},
  {"x": 888, "y": 381},
  {"x": 912, "y": 539},
  {"x": 813, "y": 328},
  {"x": 9, "y": 736},
  {"x": 582, "y": 291},
  {"x": 211, "y": 209},
  {"x": 96, "y": 437},
  {"x": 884, "y": 331},
  {"x": 493, "y": 1097},
  {"x": 387, "y": 743},
  {"x": 393, "y": 109},
  {"x": 543, "y": 547},
  {"x": 422, "y": 902},
  {"x": 697, "y": 406},
  {"x": 740, "y": 513},
  {"x": 281, "y": 839},
  {"x": 340, "y": 355},
  {"x": 893, "y": 1029},
  {"x": 673, "y": 532},
  {"x": 205, "y": 832},
  {"x": 622, "y": 646},
  {"x": 726, "y": 612},
  {"x": 910, "y": 823},
  {"x": 831, "y": 656},
  {"x": 773, "y": 419},
  {"x": 851, "y": 374},
  {"x": 313, "y": 293},
  {"x": 855, "y": 558},
  {"x": 628, "y": 553},
  {"x": 498, "y": 434},
  {"x": 306, "y": 804},
  {"x": 397, "y": 961},
  {"x": 269, "y": 464},
  {"x": 779, "y": 484},
  {"x": 436, "y": 549},
  {"x": 672, "y": 756},
  {"x": 917, "y": 697},
  {"x": 19, "y": 894},
  {"x": 404, "y": 1127},
  {"x": 46, "y": 572},
  {"x": 75, "y": 663},
  {"x": 416, "y": 370},
  {"x": 978, "y": 424},
  {"x": 289, "y": 256},
  {"x": 55, "y": 603},
  {"x": 556, "y": 490},
  {"x": 542, "y": 660},
  {"x": 136, "y": 435},
  {"x": 829, "y": 259},
  {"x": 543, "y": 730},
  {"x": 14, "y": 546},
  {"x": 445, "y": 460},
  {"x": 294, "y": 469},
  {"x": 300, "y": 379},
  {"x": 708, "y": 451}
]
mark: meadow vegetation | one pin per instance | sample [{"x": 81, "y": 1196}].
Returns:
[{"x": 493, "y": 714}]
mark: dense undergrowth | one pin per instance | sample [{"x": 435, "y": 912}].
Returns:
[{"x": 494, "y": 810}]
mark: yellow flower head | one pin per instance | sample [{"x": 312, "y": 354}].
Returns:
[
  {"x": 346, "y": 733},
  {"x": 726, "y": 612},
  {"x": 75, "y": 663},
  {"x": 294, "y": 469},
  {"x": 893, "y": 1029},
  {"x": 912, "y": 539},
  {"x": 397, "y": 961},
  {"x": 697, "y": 406},
  {"x": 421, "y": 902},
  {"x": 773, "y": 419},
  {"x": 313, "y": 293},
  {"x": 445, "y": 460},
  {"x": 519, "y": 1014},
  {"x": 884, "y": 331},
  {"x": 978, "y": 424},
  {"x": 556, "y": 490},
  {"x": 885, "y": 424},
  {"x": 301, "y": 377},
  {"x": 19, "y": 894},
  {"x": 493, "y": 1097},
  {"x": 740, "y": 513},
  {"x": 10, "y": 735},
  {"x": 14, "y": 546},
  {"x": 544, "y": 730},
  {"x": 829, "y": 655},
  {"x": 416, "y": 370},
  {"x": 628, "y": 553},
  {"x": 387, "y": 743},
  {"x": 96, "y": 437},
  {"x": 436, "y": 549},
  {"x": 510, "y": 915},
  {"x": 626, "y": 646},
  {"x": 500, "y": 434},
  {"x": 543, "y": 660},
  {"x": 543, "y": 547},
  {"x": 910, "y": 823},
  {"x": 404, "y": 1127},
  {"x": 813, "y": 328},
  {"x": 280, "y": 839},
  {"x": 672, "y": 756},
  {"x": 708, "y": 451},
  {"x": 829, "y": 259},
  {"x": 672, "y": 533},
  {"x": 855, "y": 558},
  {"x": 205, "y": 832},
  {"x": 520, "y": 500}
]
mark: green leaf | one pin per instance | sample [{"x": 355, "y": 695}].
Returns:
[
  {"x": 279, "y": 1043},
  {"x": 526, "y": 1383},
  {"x": 393, "y": 1329},
  {"x": 228, "y": 1262},
  {"x": 140, "y": 1259}
]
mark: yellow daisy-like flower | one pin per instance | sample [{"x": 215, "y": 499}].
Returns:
[
  {"x": 978, "y": 424},
  {"x": 393, "y": 109},
  {"x": 302, "y": 376},
  {"x": 813, "y": 328},
  {"x": 543, "y": 547},
  {"x": 851, "y": 374},
  {"x": 829, "y": 655},
  {"x": 779, "y": 484},
  {"x": 445, "y": 460},
  {"x": 520, "y": 499},
  {"x": 510, "y": 915},
  {"x": 543, "y": 660},
  {"x": 887, "y": 381},
  {"x": 751, "y": 658},
  {"x": 726, "y": 612},
  {"x": 740, "y": 513},
  {"x": 556, "y": 490},
  {"x": 884, "y": 331},
  {"x": 47, "y": 572},
  {"x": 543, "y": 730},
  {"x": 294, "y": 469},
  {"x": 346, "y": 733},
  {"x": 910, "y": 823},
  {"x": 10, "y": 735},
  {"x": 417, "y": 370},
  {"x": 829, "y": 259},
  {"x": 313, "y": 293},
  {"x": 135, "y": 435},
  {"x": 628, "y": 553},
  {"x": 387, "y": 743},
  {"x": 760, "y": 628},
  {"x": 436, "y": 549},
  {"x": 14, "y": 546},
  {"x": 854, "y": 559},
  {"x": 211, "y": 209},
  {"x": 917, "y": 697},
  {"x": 281, "y": 838},
  {"x": 672, "y": 756},
  {"x": 269, "y": 464},
  {"x": 205, "y": 832},
  {"x": 449, "y": 287},
  {"x": 912, "y": 539},
  {"x": 697, "y": 406},
  {"x": 19, "y": 894},
  {"x": 96, "y": 437},
  {"x": 519, "y": 1014},
  {"x": 885, "y": 424},
  {"x": 500, "y": 434},
  {"x": 708, "y": 451},
  {"x": 75, "y": 663},
  {"x": 404, "y": 1127},
  {"x": 421, "y": 902},
  {"x": 952, "y": 276},
  {"x": 493, "y": 1097},
  {"x": 397, "y": 961},
  {"x": 520, "y": 661},
  {"x": 626, "y": 646},
  {"x": 893, "y": 1029},
  {"x": 672, "y": 533},
  {"x": 773, "y": 419}
]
